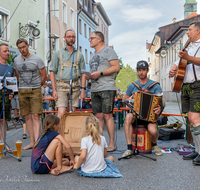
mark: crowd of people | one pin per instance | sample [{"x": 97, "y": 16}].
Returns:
[{"x": 67, "y": 84}]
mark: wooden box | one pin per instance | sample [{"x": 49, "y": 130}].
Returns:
[{"x": 71, "y": 129}]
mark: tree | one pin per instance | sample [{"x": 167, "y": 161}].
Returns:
[
  {"x": 126, "y": 76},
  {"x": 121, "y": 65}
]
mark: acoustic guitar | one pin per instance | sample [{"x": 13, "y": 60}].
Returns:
[{"x": 178, "y": 79}]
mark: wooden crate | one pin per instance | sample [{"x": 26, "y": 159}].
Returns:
[{"x": 71, "y": 129}]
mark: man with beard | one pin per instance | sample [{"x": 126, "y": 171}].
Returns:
[
  {"x": 31, "y": 73},
  {"x": 61, "y": 67},
  {"x": 103, "y": 66},
  {"x": 144, "y": 83}
]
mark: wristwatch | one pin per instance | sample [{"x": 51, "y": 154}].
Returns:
[
  {"x": 101, "y": 73},
  {"x": 83, "y": 88}
]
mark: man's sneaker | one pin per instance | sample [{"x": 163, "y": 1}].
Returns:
[
  {"x": 157, "y": 150},
  {"x": 126, "y": 153}
]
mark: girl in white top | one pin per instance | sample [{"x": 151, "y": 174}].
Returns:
[{"x": 91, "y": 162}]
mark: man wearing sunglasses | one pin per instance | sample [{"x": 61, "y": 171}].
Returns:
[{"x": 103, "y": 66}]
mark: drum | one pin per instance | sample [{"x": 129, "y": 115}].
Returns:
[{"x": 143, "y": 140}]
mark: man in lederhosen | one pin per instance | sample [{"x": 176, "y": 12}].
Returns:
[
  {"x": 61, "y": 67},
  {"x": 190, "y": 91}
]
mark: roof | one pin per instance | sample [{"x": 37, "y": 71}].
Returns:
[
  {"x": 191, "y": 15},
  {"x": 103, "y": 13}
]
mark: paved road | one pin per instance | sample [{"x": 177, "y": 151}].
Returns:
[{"x": 169, "y": 172}]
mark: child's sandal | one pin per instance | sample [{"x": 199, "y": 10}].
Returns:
[{"x": 24, "y": 136}]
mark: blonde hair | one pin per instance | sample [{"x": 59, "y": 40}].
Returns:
[
  {"x": 49, "y": 122},
  {"x": 91, "y": 126}
]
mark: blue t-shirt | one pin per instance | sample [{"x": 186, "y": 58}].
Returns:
[
  {"x": 3, "y": 69},
  {"x": 133, "y": 89},
  {"x": 40, "y": 149}
]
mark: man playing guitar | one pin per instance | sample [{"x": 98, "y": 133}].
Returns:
[
  {"x": 144, "y": 83},
  {"x": 190, "y": 91}
]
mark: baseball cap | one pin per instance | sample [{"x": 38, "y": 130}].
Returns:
[{"x": 142, "y": 64}]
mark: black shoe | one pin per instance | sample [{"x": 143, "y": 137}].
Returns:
[
  {"x": 197, "y": 160},
  {"x": 190, "y": 156}
]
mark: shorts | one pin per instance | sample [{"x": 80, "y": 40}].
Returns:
[
  {"x": 63, "y": 94},
  {"x": 30, "y": 101},
  {"x": 190, "y": 97},
  {"x": 103, "y": 101},
  {"x": 45, "y": 165},
  {"x": 7, "y": 105},
  {"x": 15, "y": 102}
]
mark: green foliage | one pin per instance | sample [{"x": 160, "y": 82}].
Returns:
[
  {"x": 126, "y": 76},
  {"x": 120, "y": 65},
  {"x": 9, "y": 60}
]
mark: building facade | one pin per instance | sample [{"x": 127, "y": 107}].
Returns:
[
  {"x": 61, "y": 16},
  {"x": 86, "y": 24},
  {"x": 103, "y": 21},
  {"x": 24, "y": 19}
]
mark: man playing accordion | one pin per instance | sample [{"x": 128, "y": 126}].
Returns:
[{"x": 153, "y": 87}]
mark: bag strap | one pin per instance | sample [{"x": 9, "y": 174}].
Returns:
[
  {"x": 148, "y": 87},
  {"x": 152, "y": 84},
  {"x": 194, "y": 67},
  {"x": 137, "y": 85}
]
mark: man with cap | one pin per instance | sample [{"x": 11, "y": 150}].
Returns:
[{"x": 144, "y": 83}]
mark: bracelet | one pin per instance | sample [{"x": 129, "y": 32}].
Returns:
[{"x": 83, "y": 88}]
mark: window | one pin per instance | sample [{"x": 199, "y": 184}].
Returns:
[
  {"x": 89, "y": 31},
  {"x": 55, "y": 8},
  {"x": 86, "y": 57},
  {"x": 64, "y": 43},
  {"x": 80, "y": 49},
  {"x": 85, "y": 5},
  {"x": 102, "y": 27},
  {"x": 64, "y": 12},
  {"x": 72, "y": 18},
  {"x": 85, "y": 30},
  {"x": 80, "y": 26},
  {"x": 55, "y": 43},
  {"x": 31, "y": 40},
  {"x": 81, "y": 2},
  {"x": 4, "y": 16}
]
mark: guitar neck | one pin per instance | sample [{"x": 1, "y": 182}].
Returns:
[{"x": 186, "y": 44}]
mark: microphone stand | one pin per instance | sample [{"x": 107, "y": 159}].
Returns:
[
  {"x": 135, "y": 151},
  {"x": 5, "y": 91}
]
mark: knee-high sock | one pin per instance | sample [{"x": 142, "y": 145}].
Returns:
[{"x": 196, "y": 142}]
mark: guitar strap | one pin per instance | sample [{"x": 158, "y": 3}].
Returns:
[{"x": 193, "y": 65}]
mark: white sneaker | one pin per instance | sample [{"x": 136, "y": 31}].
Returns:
[
  {"x": 157, "y": 150},
  {"x": 126, "y": 153}
]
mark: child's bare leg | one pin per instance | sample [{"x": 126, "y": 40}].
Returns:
[
  {"x": 110, "y": 158},
  {"x": 53, "y": 151},
  {"x": 65, "y": 162}
]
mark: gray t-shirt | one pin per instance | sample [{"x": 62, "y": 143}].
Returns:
[
  {"x": 29, "y": 71},
  {"x": 99, "y": 62}
]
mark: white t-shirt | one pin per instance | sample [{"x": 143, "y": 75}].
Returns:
[
  {"x": 94, "y": 161},
  {"x": 189, "y": 73}
]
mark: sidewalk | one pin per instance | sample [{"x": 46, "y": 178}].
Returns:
[{"x": 169, "y": 172}]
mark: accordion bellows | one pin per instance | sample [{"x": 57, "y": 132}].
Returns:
[{"x": 144, "y": 103}]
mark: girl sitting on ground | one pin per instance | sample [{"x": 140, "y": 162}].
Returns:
[
  {"x": 91, "y": 162},
  {"x": 49, "y": 147}
]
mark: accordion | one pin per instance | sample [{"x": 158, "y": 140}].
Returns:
[{"x": 144, "y": 103}]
